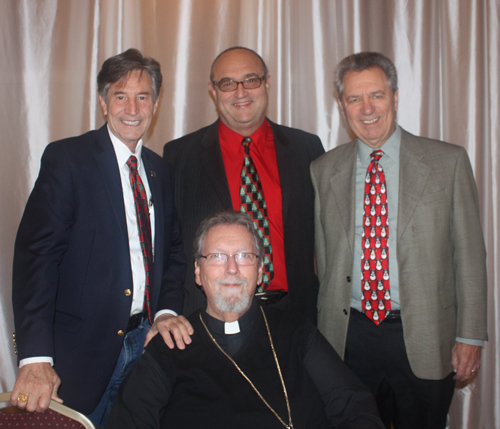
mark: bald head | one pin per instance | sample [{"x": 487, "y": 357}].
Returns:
[{"x": 234, "y": 48}]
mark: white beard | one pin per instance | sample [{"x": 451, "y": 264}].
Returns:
[{"x": 235, "y": 302}]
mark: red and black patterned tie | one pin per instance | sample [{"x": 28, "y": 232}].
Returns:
[
  {"x": 253, "y": 203},
  {"x": 375, "y": 289},
  {"x": 144, "y": 227}
]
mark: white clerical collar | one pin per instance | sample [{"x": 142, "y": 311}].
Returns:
[{"x": 231, "y": 327}]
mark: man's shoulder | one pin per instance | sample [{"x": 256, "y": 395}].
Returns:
[
  {"x": 187, "y": 142},
  {"x": 295, "y": 132},
  {"x": 298, "y": 137},
  {"x": 335, "y": 156},
  {"x": 429, "y": 148},
  {"x": 76, "y": 146}
]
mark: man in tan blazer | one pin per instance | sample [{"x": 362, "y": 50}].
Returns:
[{"x": 412, "y": 320}]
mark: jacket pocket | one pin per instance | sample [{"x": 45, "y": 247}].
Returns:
[{"x": 447, "y": 297}]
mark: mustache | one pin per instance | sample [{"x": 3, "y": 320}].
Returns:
[{"x": 231, "y": 280}]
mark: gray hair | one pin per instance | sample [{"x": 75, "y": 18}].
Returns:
[
  {"x": 264, "y": 67},
  {"x": 118, "y": 67},
  {"x": 226, "y": 217},
  {"x": 364, "y": 61}
]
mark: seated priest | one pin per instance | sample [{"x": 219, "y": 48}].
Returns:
[{"x": 247, "y": 366}]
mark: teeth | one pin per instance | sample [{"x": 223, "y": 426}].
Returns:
[
  {"x": 131, "y": 122},
  {"x": 242, "y": 104},
  {"x": 371, "y": 121}
]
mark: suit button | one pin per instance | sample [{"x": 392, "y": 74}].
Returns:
[
  {"x": 128, "y": 292},
  {"x": 121, "y": 333},
  {"x": 345, "y": 311},
  {"x": 348, "y": 278}
]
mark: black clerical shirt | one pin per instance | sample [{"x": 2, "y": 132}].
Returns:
[{"x": 166, "y": 383}]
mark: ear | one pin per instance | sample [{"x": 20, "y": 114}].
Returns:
[
  {"x": 261, "y": 271},
  {"x": 155, "y": 106},
  {"x": 396, "y": 95},
  {"x": 267, "y": 82},
  {"x": 211, "y": 88},
  {"x": 197, "y": 276},
  {"x": 342, "y": 107},
  {"x": 104, "y": 106}
]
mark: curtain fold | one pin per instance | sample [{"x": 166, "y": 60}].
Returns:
[{"x": 447, "y": 54}]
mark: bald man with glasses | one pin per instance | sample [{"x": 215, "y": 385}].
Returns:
[{"x": 245, "y": 162}]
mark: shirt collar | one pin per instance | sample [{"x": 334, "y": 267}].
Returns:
[
  {"x": 390, "y": 147},
  {"x": 122, "y": 152},
  {"x": 258, "y": 137}
]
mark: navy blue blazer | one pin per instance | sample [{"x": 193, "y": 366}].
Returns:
[{"x": 72, "y": 262}]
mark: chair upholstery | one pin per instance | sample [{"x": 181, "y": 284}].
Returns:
[{"x": 56, "y": 416}]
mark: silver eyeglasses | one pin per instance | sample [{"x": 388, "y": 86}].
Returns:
[
  {"x": 242, "y": 258},
  {"x": 228, "y": 85}
]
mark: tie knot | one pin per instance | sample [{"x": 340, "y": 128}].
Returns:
[
  {"x": 376, "y": 155},
  {"x": 132, "y": 163},
  {"x": 246, "y": 144}
]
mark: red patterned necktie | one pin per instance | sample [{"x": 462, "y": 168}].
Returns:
[
  {"x": 375, "y": 289},
  {"x": 144, "y": 228},
  {"x": 253, "y": 202}
]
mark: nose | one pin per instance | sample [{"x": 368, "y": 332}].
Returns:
[
  {"x": 231, "y": 265},
  {"x": 132, "y": 107},
  {"x": 240, "y": 91},
  {"x": 367, "y": 107}
]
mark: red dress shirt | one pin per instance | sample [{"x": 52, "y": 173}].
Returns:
[{"x": 263, "y": 153}]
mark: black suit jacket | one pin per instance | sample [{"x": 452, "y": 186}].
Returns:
[
  {"x": 72, "y": 262},
  {"x": 201, "y": 188}
]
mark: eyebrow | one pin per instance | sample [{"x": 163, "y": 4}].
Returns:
[
  {"x": 118, "y": 91},
  {"x": 244, "y": 249},
  {"x": 244, "y": 77},
  {"x": 380, "y": 91}
]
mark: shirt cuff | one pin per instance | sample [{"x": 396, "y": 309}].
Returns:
[
  {"x": 479, "y": 343},
  {"x": 159, "y": 313},
  {"x": 37, "y": 359}
]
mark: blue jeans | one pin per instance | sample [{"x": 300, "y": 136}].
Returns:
[{"x": 132, "y": 349}]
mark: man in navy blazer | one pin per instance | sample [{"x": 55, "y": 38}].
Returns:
[{"x": 79, "y": 275}]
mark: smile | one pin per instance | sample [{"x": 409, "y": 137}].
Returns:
[
  {"x": 371, "y": 121},
  {"x": 245, "y": 103},
  {"x": 134, "y": 123}
]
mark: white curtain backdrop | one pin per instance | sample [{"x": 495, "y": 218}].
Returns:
[{"x": 447, "y": 54}]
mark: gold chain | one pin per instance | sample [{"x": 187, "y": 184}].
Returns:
[{"x": 290, "y": 424}]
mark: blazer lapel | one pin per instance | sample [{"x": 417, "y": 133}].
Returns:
[
  {"x": 157, "y": 198},
  {"x": 211, "y": 157},
  {"x": 413, "y": 175},
  {"x": 106, "y": 161},
  {"x": 287, "y": 174},
  {"x": 343, "y": 188}
]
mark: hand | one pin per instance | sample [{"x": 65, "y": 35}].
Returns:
[
  {"x": 39, "y": 382},
  {"x": 169, "y": 325},
  {"x": 466, "y": 360}
]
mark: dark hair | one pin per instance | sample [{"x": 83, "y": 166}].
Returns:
[
  {"x": 264, "y": 67},
  {"x": 364, "y": 61},
  {"x": 117, "y": 67},
  {"x": 226, "y": 217}
]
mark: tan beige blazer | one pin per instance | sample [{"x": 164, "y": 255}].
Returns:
[{"x": 440, "y": 251}]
